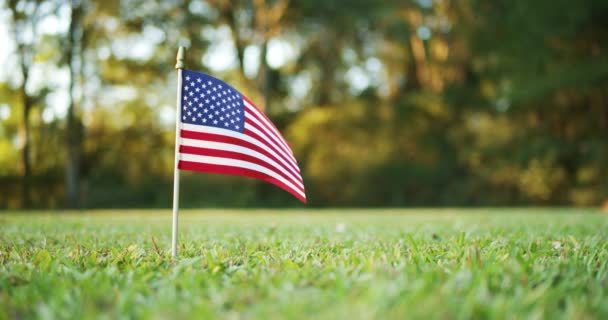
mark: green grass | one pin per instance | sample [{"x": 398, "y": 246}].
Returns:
[{"x": 351, "y": 264}]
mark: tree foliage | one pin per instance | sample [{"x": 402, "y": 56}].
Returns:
[{"x": 422, "y": 102}]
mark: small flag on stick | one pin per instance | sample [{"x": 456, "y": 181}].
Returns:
[
  {"x": 224, "y": 132},
  {"x": 219, "y": 130}
]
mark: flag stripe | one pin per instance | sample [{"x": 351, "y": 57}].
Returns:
[
  {"x": 236, "y": 141},
  {"x": 250, "y": 106},
  {"x": 228, "y": 155},
  {"x": 240, "y": 164},
  {"x": 250, "y": 141},
  {"x": 252, "y": 130},
  {"x": 235, "y": 171},
  {"x": 230, "y": 150}
]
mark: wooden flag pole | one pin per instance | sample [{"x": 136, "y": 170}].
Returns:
[{"x": 179, "y": 66}]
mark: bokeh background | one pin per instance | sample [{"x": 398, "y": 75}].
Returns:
[{"x": 385, "y": 103}]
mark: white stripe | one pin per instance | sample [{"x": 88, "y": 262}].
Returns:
[
  {"x": 239, "y": 164},
  {"x": 270, "y": 143},
  {"x": 241, "y": 136},
  {"x": 242, "y": 150},
  {"x": 269, "y": 126}
]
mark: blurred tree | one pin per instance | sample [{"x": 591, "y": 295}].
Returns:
[
  {"x": 545, "y": 68},
  {"x": 419, "y": 102},
  {"x": 25, "y": 16},
  {"x": 74, "y": 127},
  {"x": 254, "y": 24}
]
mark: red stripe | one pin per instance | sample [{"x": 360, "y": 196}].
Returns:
[
  {"x": 238, "y": 156},
  {"x": 292, "y": 165},
  {"x": 231, "y": 140},
  {"x": 235, "y": 171},
  {"x": 268, "y": 122}
]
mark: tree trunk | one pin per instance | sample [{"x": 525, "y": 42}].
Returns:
[
  {"x": 418, "y": 66},
  {"x": 73, "y": 156},
  {"x": 326, "y": 77},
  {"x": 27, "y": 102},
  {"x": 25, "y": 151},
  {"x": 25, "y": 51},
  {"x": 326, "y": 51},
  {"x": 265, "y": 84},
  {"x": 229, "y": 14},
  {"x": 73, "y": 126}
]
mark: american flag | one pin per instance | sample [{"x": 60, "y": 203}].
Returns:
[{"x": 224, "y": 132}]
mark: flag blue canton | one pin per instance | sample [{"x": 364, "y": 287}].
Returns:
[{"x": 208, "y": 101}]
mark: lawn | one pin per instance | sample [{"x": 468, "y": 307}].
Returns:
[{"x": 316, "y": 264}]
